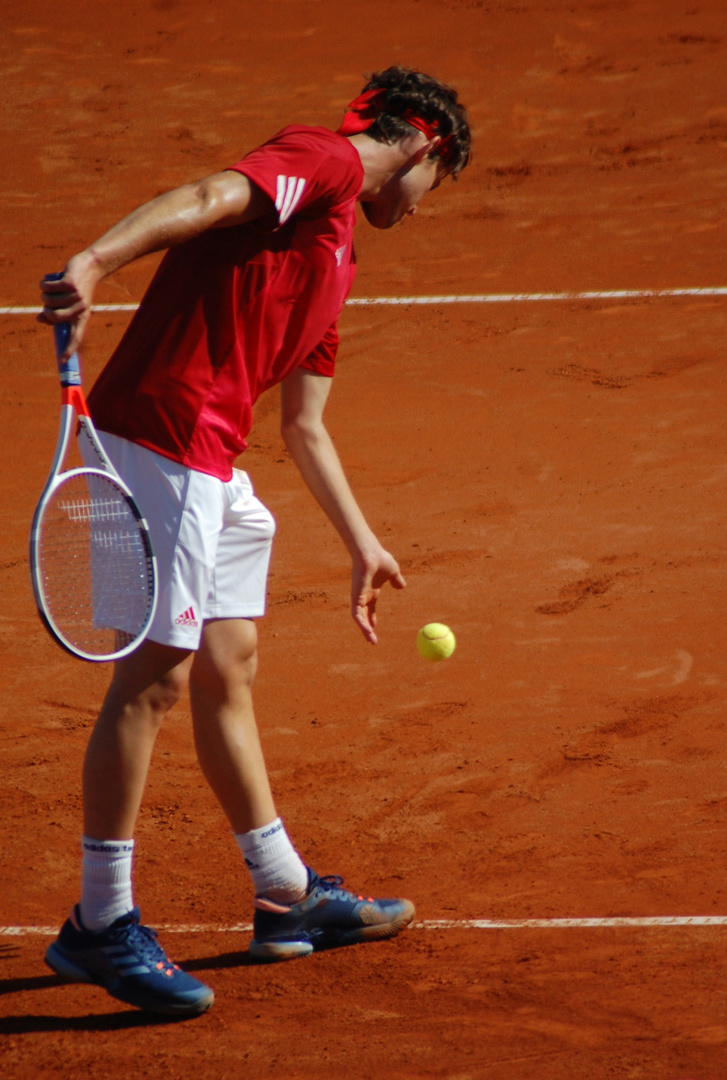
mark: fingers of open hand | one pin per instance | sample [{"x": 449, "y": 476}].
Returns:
[
  {"x": 364, "y": 613},
  {"x": 367, "y": 585},
  {"x": 397, "y": 580}
]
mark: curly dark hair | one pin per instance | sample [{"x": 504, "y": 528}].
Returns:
[{"x": 428, "y": 98}]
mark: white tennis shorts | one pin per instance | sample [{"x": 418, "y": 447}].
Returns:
[{"x": 212, "y": 540}]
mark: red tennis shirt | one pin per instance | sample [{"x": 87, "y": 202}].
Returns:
[{"x": 235, "y": 310}]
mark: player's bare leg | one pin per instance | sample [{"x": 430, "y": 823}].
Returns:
[
  {"x": 229, "y": 751},
  {"x": 225, "y": 731},
  {"x": 144, "y": 687}
]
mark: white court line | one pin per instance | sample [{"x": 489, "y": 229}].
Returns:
[
  {"x": 437, "y": 924},
  {"x": 517, "y": 298},
  {"x": 572, "y": 924},
  {"x": 475, "y": 298}
]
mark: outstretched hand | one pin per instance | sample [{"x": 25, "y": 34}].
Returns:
[{"x": 369, "y": 575}]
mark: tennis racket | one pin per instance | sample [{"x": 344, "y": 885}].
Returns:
[{"x": 91, "y": 559}]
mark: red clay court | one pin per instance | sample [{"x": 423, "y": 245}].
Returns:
[{"x": 546, "y": 459}]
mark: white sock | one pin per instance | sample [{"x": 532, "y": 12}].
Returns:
[
  {"x": 277, "y": 871},
  {"x": 105, "y": 882}
]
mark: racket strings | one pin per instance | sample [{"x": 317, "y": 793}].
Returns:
[
  {"x": 95, "y": 565},
  {"x": 95, "y": 510}
]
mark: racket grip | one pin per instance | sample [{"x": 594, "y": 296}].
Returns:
[{"x": 70, "y": 369}]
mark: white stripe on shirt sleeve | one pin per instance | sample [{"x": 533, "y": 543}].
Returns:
[{"x": 289, "y": 192}]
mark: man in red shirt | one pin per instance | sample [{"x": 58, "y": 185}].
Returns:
[{"x": 259, "y": 263}]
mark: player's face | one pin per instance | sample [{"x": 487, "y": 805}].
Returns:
[{"x": 400, "y": 197}]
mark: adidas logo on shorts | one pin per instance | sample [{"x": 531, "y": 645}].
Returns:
[{"x": 186, "y": 618}]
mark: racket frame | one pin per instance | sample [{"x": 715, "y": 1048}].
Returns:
[{"x": 75, "y": 410}]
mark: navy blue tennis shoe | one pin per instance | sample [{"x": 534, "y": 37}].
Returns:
[
  {"x": 326, "y": 918},
  {"x": 128, "y": 962}
]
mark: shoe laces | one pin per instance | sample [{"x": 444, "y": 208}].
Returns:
[
  {"x": 142, "y": 941},
  {"x": 334, "y": 882}
]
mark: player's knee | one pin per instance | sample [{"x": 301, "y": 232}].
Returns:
[
  {"x": 227, "y": 658},
  {"x": 167, "y": 691},
  {"x": 151, "y": 679},
  {"x": 152, "y": 701},
  {"x": 223, "y": 683}
]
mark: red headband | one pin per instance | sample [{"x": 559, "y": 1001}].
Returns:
[{"x": 363, "y": 111}]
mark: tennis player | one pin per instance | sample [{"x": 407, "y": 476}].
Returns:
[{"x": 259, "y": 263}]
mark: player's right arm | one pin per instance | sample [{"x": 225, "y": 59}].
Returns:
[{"x": 224, "y": 199}]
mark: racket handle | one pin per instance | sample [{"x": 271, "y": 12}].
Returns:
[{"x": 69, "y": 370}]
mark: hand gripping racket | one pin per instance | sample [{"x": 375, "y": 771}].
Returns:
[{"x": 91, "y": 560}]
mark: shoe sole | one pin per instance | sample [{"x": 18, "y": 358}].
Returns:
[
  {"x": 57, "y": 961},
  {"x": 330, "y": 939}
]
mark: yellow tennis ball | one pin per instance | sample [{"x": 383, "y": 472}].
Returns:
[{"x": 435, "y": 641}]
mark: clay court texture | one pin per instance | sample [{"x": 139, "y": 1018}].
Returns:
[{"x": 542, "y": 446}]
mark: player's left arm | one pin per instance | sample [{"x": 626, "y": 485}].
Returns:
[{"x": 304, "y": 395}]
